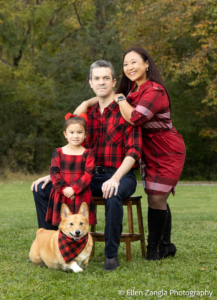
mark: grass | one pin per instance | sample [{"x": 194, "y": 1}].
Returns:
[{"x": 193, "y": 268}]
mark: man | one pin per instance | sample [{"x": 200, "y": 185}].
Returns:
[{"x": 117, "y": 147}]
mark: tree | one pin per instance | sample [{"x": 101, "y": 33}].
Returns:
[
  {"x": 181, "y": 37},
  {"x": 46, "y": 50}
]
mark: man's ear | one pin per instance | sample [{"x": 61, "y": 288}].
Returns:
[
  {"x": 90, "y": 83},
  {"x": 114, "y": 82}
]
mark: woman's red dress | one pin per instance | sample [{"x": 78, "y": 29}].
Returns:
[
  {"x": 74, "y": 171},
  {"x": 163, "y": 151}
]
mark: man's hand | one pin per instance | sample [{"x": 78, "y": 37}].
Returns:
[
  {"x": 45, "y": 179},
  {"x": 109, "y": 187},
  {"x": 68, "y": 192}
]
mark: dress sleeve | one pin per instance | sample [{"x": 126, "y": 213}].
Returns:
[
  {"x": 57, "y": 180},
  {"x": 151, "y": 101},
  {"x": 133, "y": 141},
  {"x": 81, "y": 184}
]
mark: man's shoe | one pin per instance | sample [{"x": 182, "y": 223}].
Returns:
[{"x": 111, "y": 263}]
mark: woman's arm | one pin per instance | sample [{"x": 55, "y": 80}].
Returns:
[
  {"x": 83, "y": 107},
  {"x": 125, "y": 108},
  {"x": 150, "y": 103}
]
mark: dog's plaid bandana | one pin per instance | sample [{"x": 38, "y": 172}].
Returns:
[{"x": 69, "y": 248}]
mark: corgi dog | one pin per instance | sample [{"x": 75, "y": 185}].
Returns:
[{"x": 69, "y": 247}]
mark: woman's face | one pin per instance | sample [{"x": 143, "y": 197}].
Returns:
[{"x": 135, "y": 67}]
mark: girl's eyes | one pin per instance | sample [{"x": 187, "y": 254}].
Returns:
[{"x": 78, "y": 132}]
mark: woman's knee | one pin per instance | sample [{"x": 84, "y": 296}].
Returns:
[{"x": 157, "y": 201}]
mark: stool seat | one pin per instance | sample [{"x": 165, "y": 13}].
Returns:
[{"x": 126, "y": 237}]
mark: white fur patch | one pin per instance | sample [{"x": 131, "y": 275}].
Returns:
[{"x": 75, "y": 267}]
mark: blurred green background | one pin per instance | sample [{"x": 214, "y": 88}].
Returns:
[{"x": 46, "y": 48}]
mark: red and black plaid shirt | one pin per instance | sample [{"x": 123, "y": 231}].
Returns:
[{"x": 111, "y": 137}]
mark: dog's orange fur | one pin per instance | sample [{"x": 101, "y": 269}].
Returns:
[{"x": 45, "y": 247}]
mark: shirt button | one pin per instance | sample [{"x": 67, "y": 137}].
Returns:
[{"x": 139, "y": 115}]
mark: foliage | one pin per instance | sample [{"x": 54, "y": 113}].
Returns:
[
  {"x": 46, "y": 48},
  {"x": 181, "y": 37}
]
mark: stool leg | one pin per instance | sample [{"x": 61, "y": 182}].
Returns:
[
  {"x": 141, "y": 229},
  {"x": 93, "y": 229},
  {"x": 128, "y": 249},
  {"x": 130, "y": 224}
]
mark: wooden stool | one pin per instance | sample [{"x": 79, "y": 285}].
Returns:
[{"x": 125, "y": 237}]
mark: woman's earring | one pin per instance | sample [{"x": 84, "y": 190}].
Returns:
[{"x": 147, "y": 69}]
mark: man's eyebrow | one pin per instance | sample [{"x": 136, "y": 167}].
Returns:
[{"x": 103, "y": 76}]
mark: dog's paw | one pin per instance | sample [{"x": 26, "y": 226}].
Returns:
[
  {"x": 78, "y": 269},
  {"x": 75, "y": 267}
]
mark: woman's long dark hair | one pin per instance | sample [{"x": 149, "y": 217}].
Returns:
[{"x": 152, "y": 74}]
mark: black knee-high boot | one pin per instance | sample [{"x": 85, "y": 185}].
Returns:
[
  {"x": 156, "y": 224},
  {"x": 167, "y": 248}
]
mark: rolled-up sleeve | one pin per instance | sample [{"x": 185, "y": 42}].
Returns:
[
  {"x": 133, "y": 142},
  {"x": 149, "y": 104}
]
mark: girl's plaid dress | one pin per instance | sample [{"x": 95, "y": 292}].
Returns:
[
  {"x": 74, "y": 171},
  {"x": 163, "y": 148}
]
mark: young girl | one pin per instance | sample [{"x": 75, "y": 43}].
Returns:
[{"x": 71, "y": 171}]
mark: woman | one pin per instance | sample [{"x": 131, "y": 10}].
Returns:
[{"x": 148, "y": 105}]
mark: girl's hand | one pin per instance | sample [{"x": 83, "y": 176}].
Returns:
[
  {"x": 68, "y": 192},
  {"x": 72, "y": 198},
  {"x": 117, "y": 95}
]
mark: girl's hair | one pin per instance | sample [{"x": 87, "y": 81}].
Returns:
[
  {"x": 76, "y": 120},
  {"x": 152, "y": 74}
]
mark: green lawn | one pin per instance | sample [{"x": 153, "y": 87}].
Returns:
[{"x": 194, "y": 268}]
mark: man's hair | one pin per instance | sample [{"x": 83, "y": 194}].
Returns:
[{"x": 102, "y": 64}]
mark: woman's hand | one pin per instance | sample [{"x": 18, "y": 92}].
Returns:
[
  {"x": 68, "y": 192},
  {"x": 117, "y": 95},
  {"x": 83, "y": 107}
]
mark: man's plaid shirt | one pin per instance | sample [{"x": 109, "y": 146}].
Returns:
[{"x": 111, "y": 137}]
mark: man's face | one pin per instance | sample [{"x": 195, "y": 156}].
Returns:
[{"x": 102, "y": 82}]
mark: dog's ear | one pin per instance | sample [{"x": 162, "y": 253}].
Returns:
[
  {"x": 84, "y": 210},
  {"x": 65, "y": 211}
]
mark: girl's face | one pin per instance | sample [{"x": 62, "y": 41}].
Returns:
[
  {"x": 75, "y": 134},
  {"x": 135, "y": 67}
]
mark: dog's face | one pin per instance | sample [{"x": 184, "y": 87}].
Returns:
[{"x": 74, "y": 226}]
